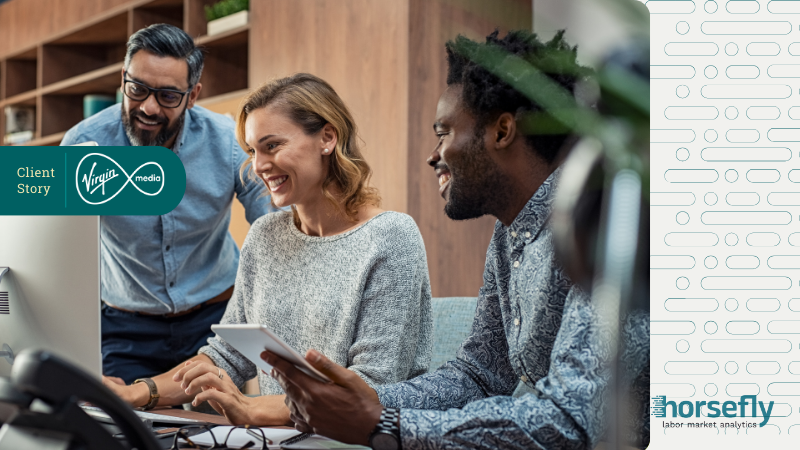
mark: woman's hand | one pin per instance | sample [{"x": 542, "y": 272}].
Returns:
[{"x": 207, "y": 382}]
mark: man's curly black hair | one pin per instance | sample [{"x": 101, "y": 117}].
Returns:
[{"x": 487, "y": 96}]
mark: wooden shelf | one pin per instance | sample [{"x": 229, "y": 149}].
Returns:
[
  {"x": 226, "y": 62},
  {"x": 234, "y": 36},
  {"x": 60, "y": 113},
  {"x": 105, "y": 30},
  {"x": 90, "y": 48},
  {"x": 30, "y": 53},
  {"x": 20, "y": 72},
  {"x": 104, "y": 80},
  {"x": 158, "y": 11},
  {"x": 155, "y": 4},
  {"x": 54, "y": 75},
  {"x": 53, "y": 139},
  {"x": 195, "y": 21},
  {"x": 225, "y": 103},
  {"x": 26, "y": 98},
  {"x": 223, "y": 98}
]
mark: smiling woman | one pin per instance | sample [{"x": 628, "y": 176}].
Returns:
[
  {"x": 336, "y": 274},
  {"x": 287, "y": 115}
]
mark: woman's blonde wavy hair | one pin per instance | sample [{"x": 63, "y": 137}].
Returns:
[{"x": 311, "y": 103}]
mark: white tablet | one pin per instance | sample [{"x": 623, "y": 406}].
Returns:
[{"x": 252, "y": 339}]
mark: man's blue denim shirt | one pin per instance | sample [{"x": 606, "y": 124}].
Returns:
[{"x": 170, "y": 263}]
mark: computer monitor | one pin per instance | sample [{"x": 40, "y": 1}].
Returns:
[{"x": 50, "y": 296}]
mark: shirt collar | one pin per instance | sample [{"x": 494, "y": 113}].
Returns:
[{"x": 533, "y": 216}]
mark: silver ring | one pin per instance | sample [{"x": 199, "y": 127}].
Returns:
[{"x": 219, "y": 373}]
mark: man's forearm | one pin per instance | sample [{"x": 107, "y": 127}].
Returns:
[
  {"x": 497, "y": 422},
  {"x": 452, "y": 386},
  {"x": 270, "y": 410}
]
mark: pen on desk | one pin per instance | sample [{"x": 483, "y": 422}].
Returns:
[
  {"x": 295, "y": 439},
  {"x": 259, "y": 436}
]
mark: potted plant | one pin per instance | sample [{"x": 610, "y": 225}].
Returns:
[{"x": 225, "y": 15}]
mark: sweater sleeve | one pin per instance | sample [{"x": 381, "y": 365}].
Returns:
[
  {"x": 238, "y": 367},
  {"x": 392, "y": 341}
]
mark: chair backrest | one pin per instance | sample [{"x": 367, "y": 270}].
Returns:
[{"x": 452, "y": 321}]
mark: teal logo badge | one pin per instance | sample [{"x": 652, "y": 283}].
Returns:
[{"x": 85, "y": 180}]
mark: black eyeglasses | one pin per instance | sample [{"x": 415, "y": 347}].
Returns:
[
  {"x": 168, "y": 98},
  {"x": 185, "y": 434}
]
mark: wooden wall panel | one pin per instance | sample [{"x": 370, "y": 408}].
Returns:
[
  {"x": 359, "y": 47},
  {"x": 25, "y": 23},
  {"x": 2, "y": 97},
  {"x": 229, "y": 105},
  {"x": 456, "y": 250}
]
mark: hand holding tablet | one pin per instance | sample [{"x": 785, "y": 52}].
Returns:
[{"x": 252, "y": 339}]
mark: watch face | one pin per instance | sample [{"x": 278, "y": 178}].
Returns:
[{"x": 384, "y": 440}]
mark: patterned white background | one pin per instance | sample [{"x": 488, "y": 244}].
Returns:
[{"x": 725, "y": 208}]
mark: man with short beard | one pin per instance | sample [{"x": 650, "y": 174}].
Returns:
[
  {"x": 166, "y": 279},
  {"x": 532, "y": 326}
]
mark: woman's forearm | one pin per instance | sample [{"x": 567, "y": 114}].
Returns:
[{"x": 170, "y": 392}]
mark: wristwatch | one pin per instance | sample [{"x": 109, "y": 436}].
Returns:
[
  {"x": 386, "y": 435},
  {"x": 153, "y": 392}
]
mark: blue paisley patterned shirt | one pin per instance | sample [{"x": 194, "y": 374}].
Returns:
[{"x": 531, "y": 325}]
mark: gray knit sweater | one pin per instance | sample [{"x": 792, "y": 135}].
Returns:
[{"x": 362, "y": 297}]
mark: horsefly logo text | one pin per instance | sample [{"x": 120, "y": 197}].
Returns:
[
  {"x": 99, "y": 178},
  {"x": 747, "y": 406}
]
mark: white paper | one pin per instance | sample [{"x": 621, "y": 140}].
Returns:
[{"x": 240, "y": 437}]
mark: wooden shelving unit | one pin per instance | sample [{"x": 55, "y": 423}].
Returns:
[
  {"x": 226, "y": 62},
  {"x": 55, "y": 75}
]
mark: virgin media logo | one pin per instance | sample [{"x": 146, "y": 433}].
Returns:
[{"x": 99, "y": 178}]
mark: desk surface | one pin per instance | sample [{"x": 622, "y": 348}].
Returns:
[{"x": 211, "y": 418}]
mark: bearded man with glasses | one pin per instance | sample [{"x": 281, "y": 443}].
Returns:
[{"x": 166, "y": 279}]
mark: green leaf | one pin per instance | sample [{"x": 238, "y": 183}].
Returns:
[{"x": 225, "y": 8}]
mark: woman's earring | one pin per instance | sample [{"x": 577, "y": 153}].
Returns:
[{"x": 325, "y": 151}]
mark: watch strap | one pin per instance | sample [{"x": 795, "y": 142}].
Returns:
[
  {"x": 151, "y": 385},
  {"x": 389, "y": 423}
]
